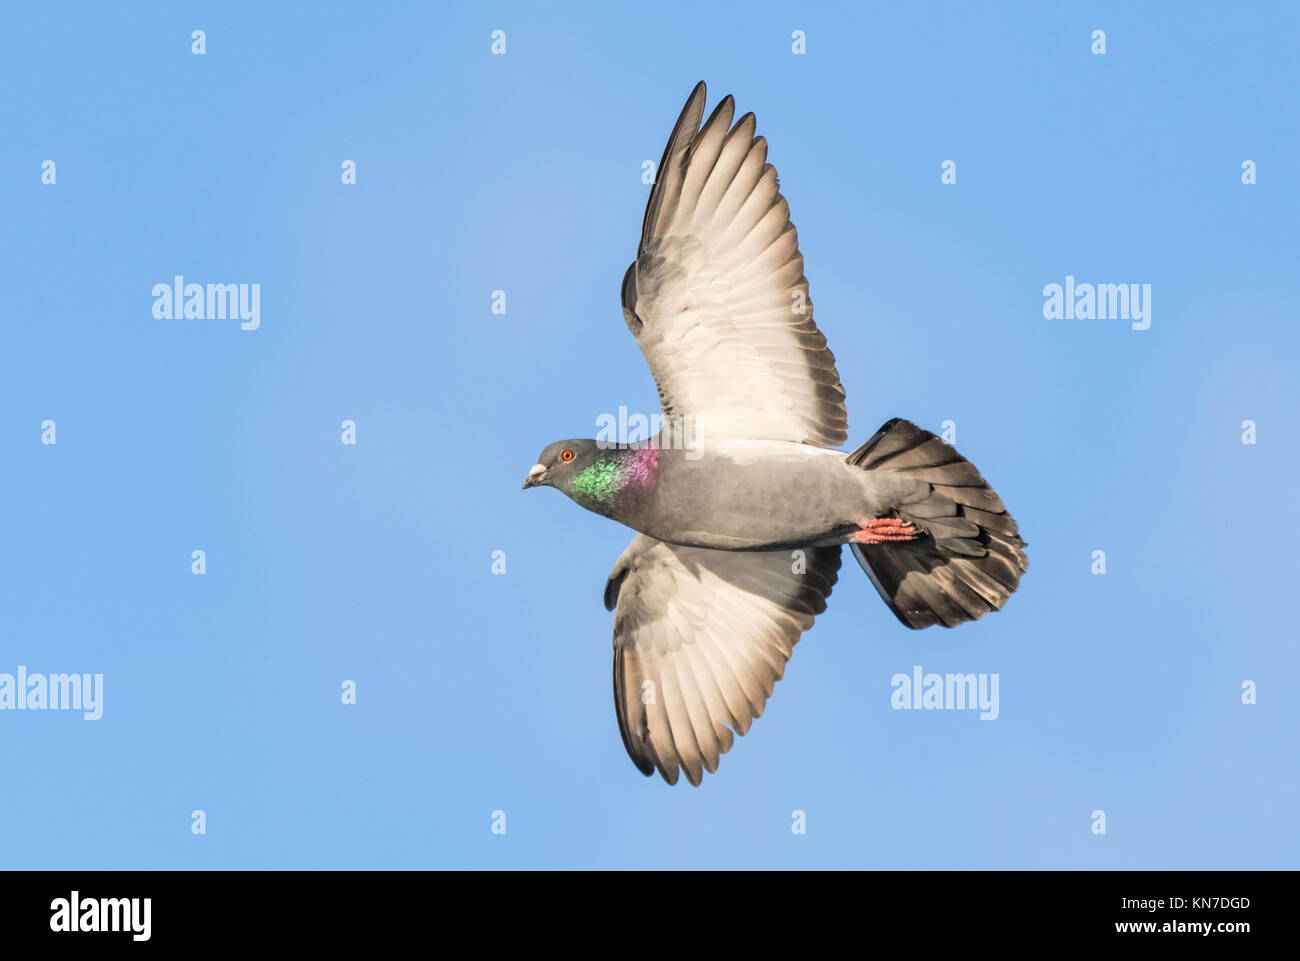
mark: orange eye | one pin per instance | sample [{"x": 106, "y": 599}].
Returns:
[{"x": 566, "y": 455}]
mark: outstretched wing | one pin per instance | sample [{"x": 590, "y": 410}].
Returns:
[
  {"x": 717, "y": 298},
  {"x": 700, "y": 638}
]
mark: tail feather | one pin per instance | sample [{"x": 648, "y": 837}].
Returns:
[{"x": 968, "y": 557}]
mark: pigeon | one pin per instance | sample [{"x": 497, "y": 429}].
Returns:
[{"x": 741, "y": 503}]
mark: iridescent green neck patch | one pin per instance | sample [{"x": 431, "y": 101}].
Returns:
[{"x": 599, "y": 482}]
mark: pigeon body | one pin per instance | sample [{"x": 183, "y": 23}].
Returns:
[
  {"x": 740, "y": 530},
  {"x": 741, "y": 495}
]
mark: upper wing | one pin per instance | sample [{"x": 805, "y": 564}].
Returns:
[
  {"x": 700, "y": 638},
  {"x": 717, "y": 298}
]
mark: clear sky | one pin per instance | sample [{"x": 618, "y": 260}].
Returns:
[{"x": 478, "y": 692}]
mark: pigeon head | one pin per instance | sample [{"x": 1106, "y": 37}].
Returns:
[{"x": 559, "y": 464}]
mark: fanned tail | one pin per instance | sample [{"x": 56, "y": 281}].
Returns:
[{"x": 967, "y": 557}]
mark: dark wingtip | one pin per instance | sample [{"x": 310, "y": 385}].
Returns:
[
  {"x": 612, "y": 587},
  {"x": 699, "y": 94}
]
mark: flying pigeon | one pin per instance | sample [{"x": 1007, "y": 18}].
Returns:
[{"x": 741, "y": 505}]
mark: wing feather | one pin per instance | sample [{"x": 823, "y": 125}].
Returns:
[
  {"x": 700, "y": 639},
  {"x": 717, "y": 297}
]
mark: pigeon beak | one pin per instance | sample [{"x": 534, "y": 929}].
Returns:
[{"x": 534, "y": 476}]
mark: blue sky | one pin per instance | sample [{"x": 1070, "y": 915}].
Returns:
[{"x": 373, "y": 562}]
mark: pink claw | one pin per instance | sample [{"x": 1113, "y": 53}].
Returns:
[{"x": 885, "y": 530}]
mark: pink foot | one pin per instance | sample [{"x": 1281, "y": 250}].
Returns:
[{"x": 884, "y": 530}]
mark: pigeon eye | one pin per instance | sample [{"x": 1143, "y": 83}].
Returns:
[{"x": 566, "y": 455}]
